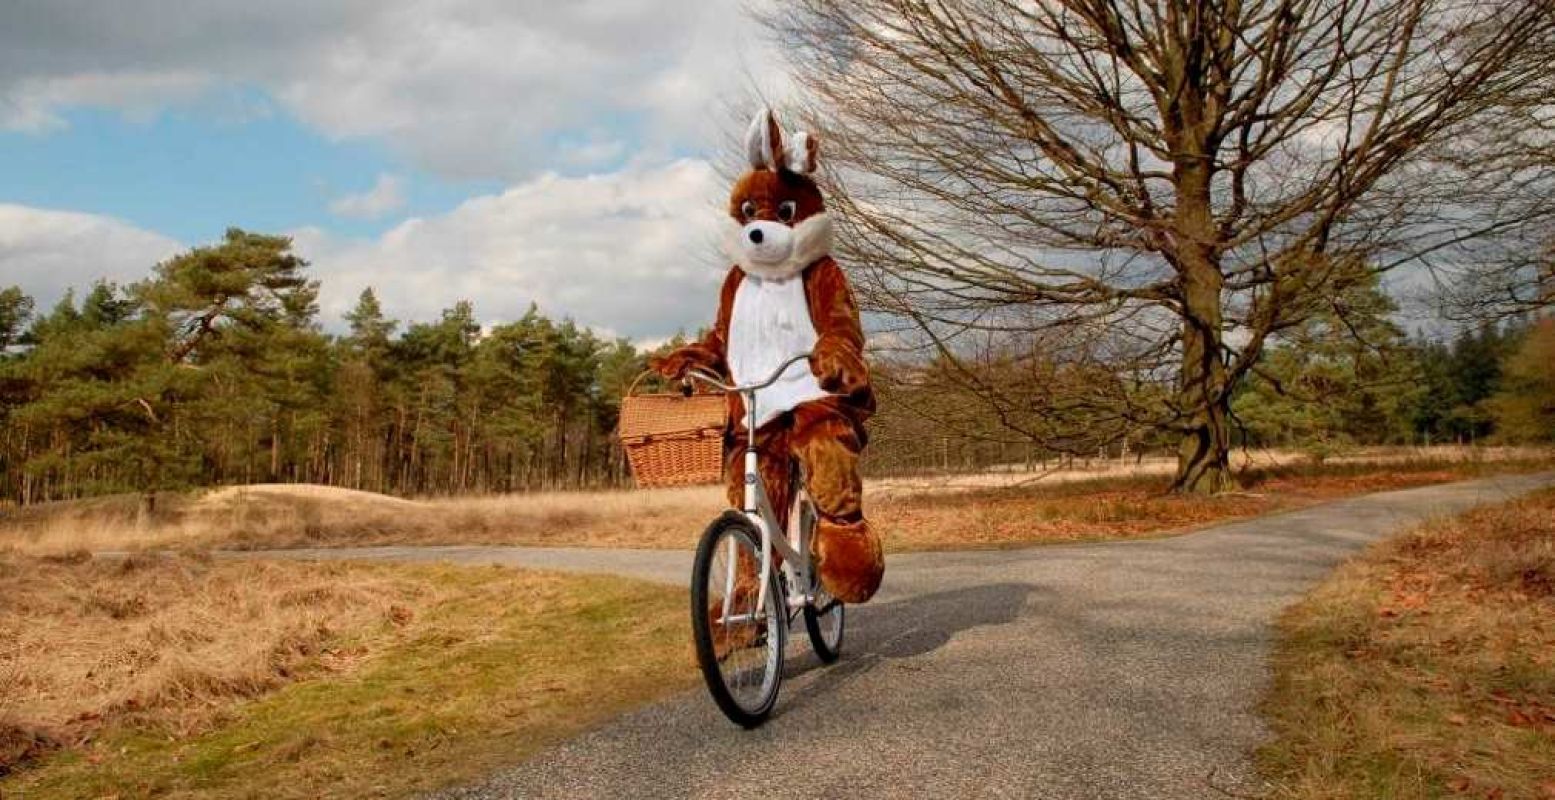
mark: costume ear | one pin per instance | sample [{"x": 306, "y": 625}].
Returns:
[
  {"x": 764, "y": 141},
  {"x": 802, "y": 153}
]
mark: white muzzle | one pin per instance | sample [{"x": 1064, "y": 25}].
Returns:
[
  {"x": 766, "y": 244},
  {"x": 774, "y": 251}
]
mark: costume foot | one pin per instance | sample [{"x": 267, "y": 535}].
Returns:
[{"x": 850, "y": 560}]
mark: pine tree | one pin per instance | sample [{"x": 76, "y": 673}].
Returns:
[
  {"x": 1343, "y": 377},
  {"x": 15, "y": 312},
  {"x": 1523, "y": 408}
]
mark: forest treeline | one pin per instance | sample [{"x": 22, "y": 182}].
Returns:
[{"x": 215, "y": 370}]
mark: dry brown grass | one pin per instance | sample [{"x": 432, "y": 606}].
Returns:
[
  {"x": 188, "y": 677},
  {"x": 914, "y": 514},
  {"x": 277, "y": 515},
  {"x": 1425, "y": 668},
  {"x": 170, "y": 640},
  {"x": 1123, "y": 508}
]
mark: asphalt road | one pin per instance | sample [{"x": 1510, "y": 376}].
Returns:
[{"x": 1119, "y": 670}]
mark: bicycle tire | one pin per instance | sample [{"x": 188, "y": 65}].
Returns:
[
  {"x": 827, "y": 652},
  {"x": 816, "y": 613},
  {"x": 751, "y": 711}
]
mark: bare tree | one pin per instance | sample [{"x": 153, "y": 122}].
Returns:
[
  {"x": 1198, "y": 174},
  {"x": 1503, "y": 280},
  {"x": 1513, "y": 160},
  {"x": 1068, "y": 391}
]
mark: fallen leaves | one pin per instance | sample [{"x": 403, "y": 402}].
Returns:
[{"x": 1426, "y": 667}]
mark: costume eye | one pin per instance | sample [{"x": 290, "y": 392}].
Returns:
[
  {"x": 747, "y": 209},
  {"x": 786, "y": 211}
]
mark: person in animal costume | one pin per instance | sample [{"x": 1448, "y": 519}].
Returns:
[{"x": 785, "y": 296}]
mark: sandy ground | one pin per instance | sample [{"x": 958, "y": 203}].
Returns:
[
  {"x": 1089, "y": 469},
  {"x": 228, "y": 495}
]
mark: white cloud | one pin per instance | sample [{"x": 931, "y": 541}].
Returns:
[
  {"x": 470, "y": 88},
  {"x": 385, "y": 196},
  {"x": 47, "y": 252},
  {"x": 631, "y": 252},
  {"x": 32, "y": 105},
  {"x": 511, "y": 90}
]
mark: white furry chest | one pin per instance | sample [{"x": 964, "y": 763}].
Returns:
[{"x": 770, "y": 323}]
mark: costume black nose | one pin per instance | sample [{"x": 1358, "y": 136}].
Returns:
[{"x": 756, "y": 236}]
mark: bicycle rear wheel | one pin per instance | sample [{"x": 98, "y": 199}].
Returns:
[
  {"x": 824, "y": 614},
  {"x": 739, "y": 649},
  {"x": 824, "y": 619}
]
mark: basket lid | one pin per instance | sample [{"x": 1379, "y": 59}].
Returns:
[{"x": 669, "y": 415}]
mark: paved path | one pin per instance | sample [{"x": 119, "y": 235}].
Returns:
[{"x": 1121, "y": 670}]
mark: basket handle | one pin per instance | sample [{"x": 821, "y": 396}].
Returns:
[
  {"x": 639, "y": 379},
  {"x": 685, "y": 390}
]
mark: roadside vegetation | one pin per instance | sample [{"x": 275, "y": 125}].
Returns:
[
  {"x": 1425, "y": 668},
  {"x": 177, "y": 676},
  {"x": 1007, "y": 509}
]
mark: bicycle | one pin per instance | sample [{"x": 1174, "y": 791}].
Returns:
[{"x": 741, "y": 608}]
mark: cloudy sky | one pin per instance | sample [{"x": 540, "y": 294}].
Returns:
[{"x": 502, "y": 151}]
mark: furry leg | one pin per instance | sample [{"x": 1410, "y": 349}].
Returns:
[
  {"x": 846, "y": 549},
  {"x": 772, "y": 458}
]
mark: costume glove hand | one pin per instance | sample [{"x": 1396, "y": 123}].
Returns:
[
  {"x": 676, "y": 364},
  {"x": 839, "y": 370}
]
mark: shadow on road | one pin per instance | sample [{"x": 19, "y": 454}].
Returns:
[{"x": 907, "y": 628}]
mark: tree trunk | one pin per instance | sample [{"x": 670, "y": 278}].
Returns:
[{"x": 1204, "y": 456}]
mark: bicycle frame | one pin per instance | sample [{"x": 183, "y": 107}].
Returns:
[{"x": 795, "y": 545}]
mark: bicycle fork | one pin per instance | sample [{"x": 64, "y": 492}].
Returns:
[{"x": 756, "y": 507}]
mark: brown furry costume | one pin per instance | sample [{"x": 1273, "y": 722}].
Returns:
[{"x": 782, "y": 234}]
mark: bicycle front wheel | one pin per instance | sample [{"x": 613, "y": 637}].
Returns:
[{"x": 739, "y": 647}]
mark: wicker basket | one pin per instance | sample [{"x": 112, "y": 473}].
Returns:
[{"x": 673, "y": 439}]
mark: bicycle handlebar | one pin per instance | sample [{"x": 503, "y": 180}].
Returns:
[{"x": 717, "y": 383}]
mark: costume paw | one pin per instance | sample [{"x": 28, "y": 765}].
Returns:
[
  {"x": 678, "y": 362},
  {"x": 839, "y": 371},
  {"x": 849, "y": 559}
]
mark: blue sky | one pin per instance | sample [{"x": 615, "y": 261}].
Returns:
[
  {"x": 190, "y": 175},
  {"x": 503, "y": 151}
]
